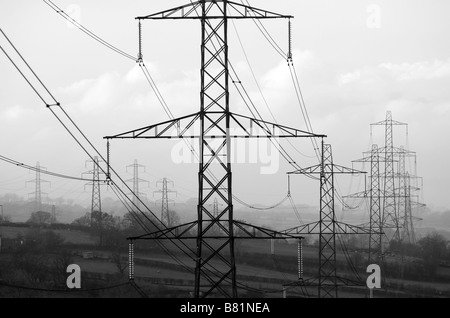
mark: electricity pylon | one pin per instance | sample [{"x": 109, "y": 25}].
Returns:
[
  {"x": 37, "y": 194},
  {"x": 166, "y": 217},
  {"x": 390, "y": 213},
  {"x": 136, "y": 180},
  {"x": 96, "y": 199},
  {"x": 405, "y": 204},
  {"x": 215, "y": 125},
  {"x": 327, "y": 227}
]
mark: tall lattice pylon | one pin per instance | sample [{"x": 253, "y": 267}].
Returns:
[
  {"x": 408, "y": 233},
  {"x": 96, "y": 199},
  {"x": 375, "y": 195},
  {"x": 215, "y": 125},
  {"x": 328, "y": 226},
  {"x": 406, "y": 204},
  {"x": 375, "y": 240},
  {"x": 136, "y": 181},
  {"x": 390, "y": 215},
  {"x": 327, "y": 238},
  {"x": 166, "y": 216},
  {"x": 37, "y": 194}
]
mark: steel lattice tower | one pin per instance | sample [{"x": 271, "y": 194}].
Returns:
[
  {"x": 376, "y": 224},
  {"x": 390, "y": 217},
  {"x": 165, "y": 213},
  {"x": 37, "y": 188},
  {"x": 327, "y": 239},
  {"x": 214, "y": 125},
  {"x": 402, "y": 198},
  {"x": 96, "y": 200},
  {"x": 136, "y": 180},
  {"x": 375, "y": 195},
  {"x": 328, "y": 226},
  {"x": 408, "y": 234}
]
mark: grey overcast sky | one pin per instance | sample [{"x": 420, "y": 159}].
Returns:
[{"x": 355, "y": 59}]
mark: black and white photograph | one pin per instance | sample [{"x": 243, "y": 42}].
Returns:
[{"x": 224, "y": 156}]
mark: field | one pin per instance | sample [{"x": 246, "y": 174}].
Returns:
[{"x": 261, "y": 272}]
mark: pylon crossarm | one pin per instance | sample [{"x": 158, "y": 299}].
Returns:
[
  {"x": 189, "y": 127},
  {"x": 270, "y": 129},
  {"x": 344, "y": 228},
  {"x": 317, "y": 169},
  {"x": 242, "y": 231},
  {"x": 388, "y": 122},
  {"x": 256, "y": 232},
  {"x": 369, "y": 158},
  {"x": 173, "y": 233},
  {"x": 309, "y": 170},
  {"x": 304, "y": 229},
  {"x": 167, "y": 129},
  {"x": 235, "y": 11},
  {"x": 396, "y": 151}
]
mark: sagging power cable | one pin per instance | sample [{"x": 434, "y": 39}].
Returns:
[
  {"x": 55, "y": 103},
  {"x": 156, "y": 92},
  {"x": 32, "y": 168},
  {"x": 87, "y": 31}
]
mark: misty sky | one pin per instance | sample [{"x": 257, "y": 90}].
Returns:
[{"x": 355, "y": 59}]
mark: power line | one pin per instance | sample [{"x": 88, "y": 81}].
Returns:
[
  {"x": 32, "y": 168},
  {"x": 87, "y": 31}
]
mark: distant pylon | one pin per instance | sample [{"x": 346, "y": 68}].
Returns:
[
  {"x": 136, "y": 180},
  {"x": 390, "y": 215},
  {"x": 166, "y": 218},
  {"x": 328, "y": 224},
  {"x": 375, "y": 240},
  {"x": 37, "y": 194},
  {"x": 96, "y": 200}
]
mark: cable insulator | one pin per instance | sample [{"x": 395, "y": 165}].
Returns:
[
  {"x": 108, "y": 153},
  {"x": 140, "y": 57},
  {"x": 289, "y": 56},
  {"x": 131, "y": 261},
  {"x": 300, "y": 260}
]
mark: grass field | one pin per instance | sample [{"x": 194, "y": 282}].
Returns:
[{"x": 258, "y": 267}]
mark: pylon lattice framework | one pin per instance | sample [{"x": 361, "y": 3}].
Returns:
[
  {"x": 391, "y": 206},
  {"x": 37, "y": 194},
  {"x": 327, "y": 227},
  {"x": 136, "y": 180},
  {"x": 166, "y": 217},
  {"x": 390, "y": 216},
  {"x": 212, "y": 125},
  {"x": 96, "y": 199}
]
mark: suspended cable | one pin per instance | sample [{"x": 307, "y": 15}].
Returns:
[
  {"x": 267, "y": 35},
  {"x": 86, "y": 31},
  {"x": 50, "y": 107},
  {"x": 28, "y": 167}
]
